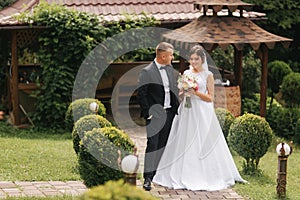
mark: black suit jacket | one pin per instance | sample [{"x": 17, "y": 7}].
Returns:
[{"x": 151, "y": 90}]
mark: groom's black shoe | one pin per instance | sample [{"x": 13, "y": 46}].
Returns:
[{"x": 147, "y": 184}]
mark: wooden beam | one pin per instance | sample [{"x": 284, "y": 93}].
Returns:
[
  {"x": 264, "y": 79},
  {"x": 238, "y": 65},
  {"x": 14, "y": 79}
]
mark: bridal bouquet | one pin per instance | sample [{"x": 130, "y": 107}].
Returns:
[{"x": 186, "y": 82}]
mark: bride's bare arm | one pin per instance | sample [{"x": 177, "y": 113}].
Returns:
[{"x": 209, "y": 97}]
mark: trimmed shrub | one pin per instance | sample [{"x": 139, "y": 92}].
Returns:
[
  {"x": 297, "y": 132},
  {"x": 290, "y": 90},
  {"x": 80, "y": 108},
  {"x": 116, "y": 190},
  {"x": 87, "y": 123},
  {"x": 250, "y": 136},
  {"x": 277, "y": 70},
  {"x": 98, "y": 155},
  {"x": 225, "y": 118},
  {"x": 285, "y": 123}
]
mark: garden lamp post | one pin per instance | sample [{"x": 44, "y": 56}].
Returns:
[
  {"x": 129, "y": 166},
  {"x": 94, "y": 107},
  {"x": 283, "y": 150}
]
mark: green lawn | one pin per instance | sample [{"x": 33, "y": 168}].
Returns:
[
  {"x": 36, "y": 156},
  {"x": 264, "y": 187},
  {"x": 40, "y": 156}
]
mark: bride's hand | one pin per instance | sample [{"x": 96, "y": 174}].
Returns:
[{"x": 189, "y": 92}]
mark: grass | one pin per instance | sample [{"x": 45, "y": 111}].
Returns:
[
  {"x": 263, "y": 186},
  {"x": 30, "y": 155}
]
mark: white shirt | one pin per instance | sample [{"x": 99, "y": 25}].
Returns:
[{"x": 165, "y": 80}]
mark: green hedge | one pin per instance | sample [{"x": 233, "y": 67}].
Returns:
[
  {"x": 250, "y": 136},
  {"x": 87, "y": 123},
  {"x": 117, "y": 190},
  {"x": 98, "y": 155},
  {"x": 80, "y": 108},
  {"x": 225, "y": 118}
]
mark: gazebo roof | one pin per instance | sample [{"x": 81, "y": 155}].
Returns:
[
  {"x": 166, "y": 11},
  {"x": 223, "y": 31}
]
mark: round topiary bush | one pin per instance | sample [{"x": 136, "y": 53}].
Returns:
[
  {"x": 277, "y": 70},
  {"x": 116, "y": 190},
  {"x": 87, "y": 123},
  {"x": 98, "y": 155},
  {"x": 80, "y": 108},
  {"x": 250, "y": 136},
  {"x": 290, "y": 90},
  {"x": 225, "y": 118}
]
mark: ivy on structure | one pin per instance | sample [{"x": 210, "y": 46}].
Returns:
[{"x": 68, "y": 38}]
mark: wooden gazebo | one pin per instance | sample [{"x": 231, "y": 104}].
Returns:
[{"x": 211, "y": 31}]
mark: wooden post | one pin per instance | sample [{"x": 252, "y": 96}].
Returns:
[
  {"x": 238, "y": 64},
  {"x": 14, "y": 79},
  {"x": 263, "y": 55}
]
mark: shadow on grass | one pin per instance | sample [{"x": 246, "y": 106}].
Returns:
[{"x": 9, "y": 131}]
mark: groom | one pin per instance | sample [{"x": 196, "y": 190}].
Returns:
[{"x": 157, "y": 96}]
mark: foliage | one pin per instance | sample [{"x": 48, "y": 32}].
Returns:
[
  {"x": 6, "y": 3},
  {"x": 69, "y": 38},
  {"x": 250, "y": 136},
  {"x": 251, "y": 75},
  {"x": 224, "y": 59},
  {"x": 116, "y": 190},
  {"x": 285, "y": 122},
  {"x": 81, "y": 107},
  {"x": 87, "y": 123},
  {"x": 297, "y": 132},
  {"x": 290, "y": 90},
  {"x": 283, "y": 18},
  {"x": 283, "y": 13},
  {"x": 225, "y": 118},
  {"x": 277, "y": 70},
  {"x": 98, "y": 155},
  {"x": 251, "y": 68},
  {"x": 282, "y": 120}
]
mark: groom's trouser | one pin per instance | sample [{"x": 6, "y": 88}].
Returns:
[{"x": 158, "y": 131}]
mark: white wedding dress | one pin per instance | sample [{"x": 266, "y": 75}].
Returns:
[{"x": 196, "y": 156}]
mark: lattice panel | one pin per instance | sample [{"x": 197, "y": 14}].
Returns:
[
  {"x": 26, "y": 37},
  {"x": 229, "y": 98}
]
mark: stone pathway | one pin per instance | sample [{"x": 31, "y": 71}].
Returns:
[{"x": 75, "y": 188}]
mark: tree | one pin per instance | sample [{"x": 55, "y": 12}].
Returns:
[{"x": 283, "y": 18}]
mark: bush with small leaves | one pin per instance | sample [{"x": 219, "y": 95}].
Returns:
[
  {"x": 297, "y": 132},
  {"x": 250, "y": 136},
  {"x": 80, "y": 108},
  {"x": 98, "y": 156},
  {"x": 290, "y": 90},
  {"x": 87, "y": 123},
  {"x": 225, "y": 118},
  {"x": 116, "y": 190},
  {"x": 277, "y": 71}
]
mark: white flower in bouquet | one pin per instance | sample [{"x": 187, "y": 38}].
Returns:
[{"x": 186, "y": 82}]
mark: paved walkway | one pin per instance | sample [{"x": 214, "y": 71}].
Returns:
[{"x": 75, "y": 188}]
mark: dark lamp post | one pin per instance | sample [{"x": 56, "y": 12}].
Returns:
[{"x": 283, "y": 150}]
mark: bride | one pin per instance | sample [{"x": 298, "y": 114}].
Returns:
[{"x": 196, "y": 156}]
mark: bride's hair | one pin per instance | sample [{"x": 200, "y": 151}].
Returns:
[{"x": 198, "y": 50}]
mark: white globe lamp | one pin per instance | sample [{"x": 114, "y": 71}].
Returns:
[{"x": 94, "y": 107}]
